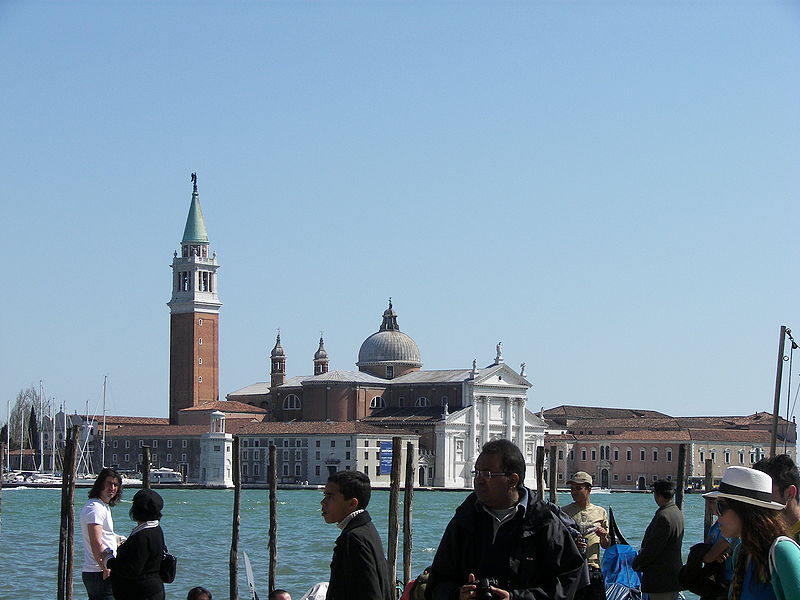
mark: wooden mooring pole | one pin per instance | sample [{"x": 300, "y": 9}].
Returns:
[
  {"x": 681, "y": 484},
  {"x": 145, "y": 467},
  {"x": 394, "y": 500},
  {"x": 773, "y": 442},
  {"x": 67, "y": 529},
  {"x": 237, "y": 492},
  {"x": 408, "y": 500},
  {"x": 273, "y": 515},
  {"x": 540, "y": 471},
  {"x": 708, "y": 516},
  {"x": 551, "y": 473}
]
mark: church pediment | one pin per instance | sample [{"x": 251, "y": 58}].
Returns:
[{"x": 501, "y": 376}]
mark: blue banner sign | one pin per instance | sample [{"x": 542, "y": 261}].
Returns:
[{"x": 386, "y": 459}]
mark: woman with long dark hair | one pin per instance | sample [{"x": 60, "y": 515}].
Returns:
[
  {"x": 767, "y": 563},
  {"x": 97, "y": 530},
  {"x": 135, "y": 569}
]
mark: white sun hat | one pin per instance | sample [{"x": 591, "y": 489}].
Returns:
[{"x": 746, "y": 485}]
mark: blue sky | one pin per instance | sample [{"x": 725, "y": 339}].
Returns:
[{"x": 610, "y": 188}]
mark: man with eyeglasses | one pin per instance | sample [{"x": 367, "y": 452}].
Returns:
[{"x": 504, "y": 540}]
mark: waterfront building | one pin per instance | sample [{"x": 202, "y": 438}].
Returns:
[
  {"x": 452, "y": 411},
  {"x": 310, "y": 451},
  {"x": 630, "y": 448}
]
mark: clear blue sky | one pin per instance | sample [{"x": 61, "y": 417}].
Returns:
[{"x": 610, "y": 188}]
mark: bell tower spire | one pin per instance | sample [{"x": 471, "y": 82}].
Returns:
[
  {"x": 321, "y": 358},
  {"x": 194, "y": 317},
  {"x": 277, "y": 370}
]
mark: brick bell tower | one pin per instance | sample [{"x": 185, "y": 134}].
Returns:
[{"x": 194, "y": 318}]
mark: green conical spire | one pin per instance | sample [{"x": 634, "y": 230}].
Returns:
[{"x": 195, "y": 231}]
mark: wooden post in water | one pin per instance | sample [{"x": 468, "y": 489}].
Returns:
[
  {"x": 237, "y": 491},
  {"x": 273, "y": 515},
  {"x": 681, "y": 484},
  {"x": 552, "y": 476},
  {"x": 709, "y": 514},
  {"x": 540, "y": 471},
  {"x": 145, "y": 467},
  {"x": 408, "y": 500},
  {"x": 773, "y": 442},
  {"x": 67, "y": 529},
  {"x": 394, "y": 501}
]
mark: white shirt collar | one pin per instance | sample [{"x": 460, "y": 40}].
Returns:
[{"x": 343, "y": 523}]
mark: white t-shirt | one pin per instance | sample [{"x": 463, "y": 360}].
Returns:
[{"x": 96, "y": 512}]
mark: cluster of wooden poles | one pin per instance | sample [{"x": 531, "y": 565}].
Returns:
[
  {"x": 67, "y": 529},
  {"x": 680, "y": 480}
]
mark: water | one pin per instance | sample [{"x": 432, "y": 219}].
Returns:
[{"x": 197, "y": 526}]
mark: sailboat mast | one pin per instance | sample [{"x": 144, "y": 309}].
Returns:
[
  {"x": 40, "y": 419},
  {"x": 103, "y": 442},
  {"x": 21, "y": 436},
  {"x": 53, "y": 440},
  {"x": 8, "y": 436}
]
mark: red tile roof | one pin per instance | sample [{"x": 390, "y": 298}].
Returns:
[
  {"x": 315, "y": 427},
  {"x": 226, "y": 406}
]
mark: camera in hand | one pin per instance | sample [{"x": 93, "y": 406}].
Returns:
[{"x": 482, "y": 588}]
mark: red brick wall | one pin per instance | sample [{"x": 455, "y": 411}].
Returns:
[{"x": 185, "y": 387}]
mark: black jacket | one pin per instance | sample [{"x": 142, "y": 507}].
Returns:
[
  {"x": 659, "y": 560},
  {"x": 358, "y": 567},
  {"x": 134, "y": 571},
  {"x": 532, "y": 557}
]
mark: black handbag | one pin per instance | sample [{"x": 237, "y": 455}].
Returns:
[{"x": 168, "y": 568}]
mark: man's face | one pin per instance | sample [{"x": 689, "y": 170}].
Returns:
[
  {"x": 109, "y": 489},
  {"x": 494, "y": 492},
  {"x": 334, "y": 506},
  {"x": 580, "y": 492},
  {"x": 282, "y": 596}
]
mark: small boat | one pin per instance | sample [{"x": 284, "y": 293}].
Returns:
[
  {"x": 165, "y": 475},
  {"x": 622, "y": 582}
]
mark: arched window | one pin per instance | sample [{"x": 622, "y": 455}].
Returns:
[
  {"x": 422, "y": 401},
  {"x": 377, "y": 402},
  {"x": 291, "y": 402}
]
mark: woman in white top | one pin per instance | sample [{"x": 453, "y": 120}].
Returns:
[{"x": 97, "y": 528}]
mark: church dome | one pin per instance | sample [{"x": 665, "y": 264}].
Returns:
[{"x": 389, "y": 345}]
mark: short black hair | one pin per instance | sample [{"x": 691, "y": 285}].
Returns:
[
  {"x": 97, "y": 487},
  {"x": 353, "y": 484},
  {"x": 275, "y": 593},
  {"x": 146, "y": 505},
  {"x": 664, "y": 488},
  {"x": 782, "y": 470},
  {"x": 198, "y": 593},
  {"x": 511, "y": 459}
]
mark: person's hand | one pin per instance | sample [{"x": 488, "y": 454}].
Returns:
[
  {"x": 106, "y": 573},
  {"x": 467, "y": 592},
  {"x": 601, "y": 531},
  {"x": 580, "y": 542},
  {"x": 500, "y": 594}
]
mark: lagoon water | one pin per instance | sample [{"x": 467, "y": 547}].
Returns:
[{"x": 197, "y": 526}]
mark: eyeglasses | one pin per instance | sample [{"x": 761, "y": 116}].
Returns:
[{"x": 490, "y": 474}]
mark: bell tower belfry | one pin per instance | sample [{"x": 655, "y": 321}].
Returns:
[{"x": 194, "y": 317}]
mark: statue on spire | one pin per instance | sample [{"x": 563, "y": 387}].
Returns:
[
  {"x": 499, "y": 358},
  {"x": 194, "y": 182}
]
